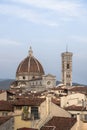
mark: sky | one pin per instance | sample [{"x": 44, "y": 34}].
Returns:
[{"x": 48, "y": 26}]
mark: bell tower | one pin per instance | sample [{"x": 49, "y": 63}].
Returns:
[{"x": 67, "y": 68}]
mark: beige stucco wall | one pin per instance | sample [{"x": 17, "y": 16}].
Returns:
[
  {"x": 18, "y": 123},
  {"x": 48, "y": 110},
  {"x": 83, "y": 126},
  {"x": 80, "y": 125},
  {"x": 58, "y": 111},
  {"x": 73, "y": 99},
  {"x": 6, "y": 113},
  {"x": 74, "y": 127},
  {"x": 3, "y": 96}
]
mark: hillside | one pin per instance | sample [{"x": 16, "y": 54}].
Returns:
[
  {"x": 5, "y": 83},
  {"x": 73, "y": 84}
]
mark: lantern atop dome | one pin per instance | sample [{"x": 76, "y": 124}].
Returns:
[{"x": 30, "y": 52}]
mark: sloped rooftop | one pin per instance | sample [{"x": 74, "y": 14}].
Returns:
[{"x": 59, "y": 123}]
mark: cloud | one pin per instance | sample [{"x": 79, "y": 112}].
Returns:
[
  {"x": 26, "y": 14},
  {"x": 8, "y": 42},
  {"x": 67, "y": 7},
  {"x": 48, "y": 12}
]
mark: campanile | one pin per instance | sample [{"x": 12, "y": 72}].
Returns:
[{"x": 67, "y": 68}]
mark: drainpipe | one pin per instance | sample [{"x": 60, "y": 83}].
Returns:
[{"x": 78, "y": 121}]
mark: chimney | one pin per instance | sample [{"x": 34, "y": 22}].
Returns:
[{"x": 48, "y": 104}]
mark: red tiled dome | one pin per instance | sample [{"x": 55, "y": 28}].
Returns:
[{"x": 30, "y": 66}]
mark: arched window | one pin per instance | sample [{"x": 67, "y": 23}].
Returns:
[
  {"x": 23, "y": 77},
  {"x": 68, "y": 66}
]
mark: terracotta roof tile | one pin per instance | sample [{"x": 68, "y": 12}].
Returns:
[
  {"x": 26, "y": 128},
  {"x": 48, "y": 128},
  {"x": 79, "y": 89},
  {"x": 55, "y": 101},
  {"x": 59, "y": 123},
  {"x": 6, "y": 106},
  {"x": 29, "y": 102},
  {"x": 75, "y": 108},
  {"x": 10, "y": 92},
  {"x": 30, "y": 65}
]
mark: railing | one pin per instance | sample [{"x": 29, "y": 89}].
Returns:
[{"x": 41, "y": 122}]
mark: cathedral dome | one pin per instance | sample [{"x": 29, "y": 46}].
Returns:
[{"x": 30, "y": 66}]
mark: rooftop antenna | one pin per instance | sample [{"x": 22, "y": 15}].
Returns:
[{"x": 66, "y": 48}]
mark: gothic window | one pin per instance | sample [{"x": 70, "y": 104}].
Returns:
[
  {"x": 68, "y": 66},
  {"x": 68, "y": 76},
  {"x": 68, "y": 84}
]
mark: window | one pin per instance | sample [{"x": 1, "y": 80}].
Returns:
[
  {"x": 23, "y": 77},
  {"x": 68, "y": 84},
  {"x": 68, "y": 75},
  {"x": 34, "y": 112},
  {"x": 85, "y": 117},
  {"x": 25, "y": 113},
  {"x": 33, "y": 77},
  {"x": 4, "y": 113},
  {"x": 18, "y": 107},
  {"x": 68, "y": 66},
  {"x": 74, "y": 115}
]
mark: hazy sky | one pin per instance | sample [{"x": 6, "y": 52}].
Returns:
[{"x": 48, "y": 26}]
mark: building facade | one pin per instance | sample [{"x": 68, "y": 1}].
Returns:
[
  {"x": 30, "y": 75},
  {"x": 67, "y": 68}
]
